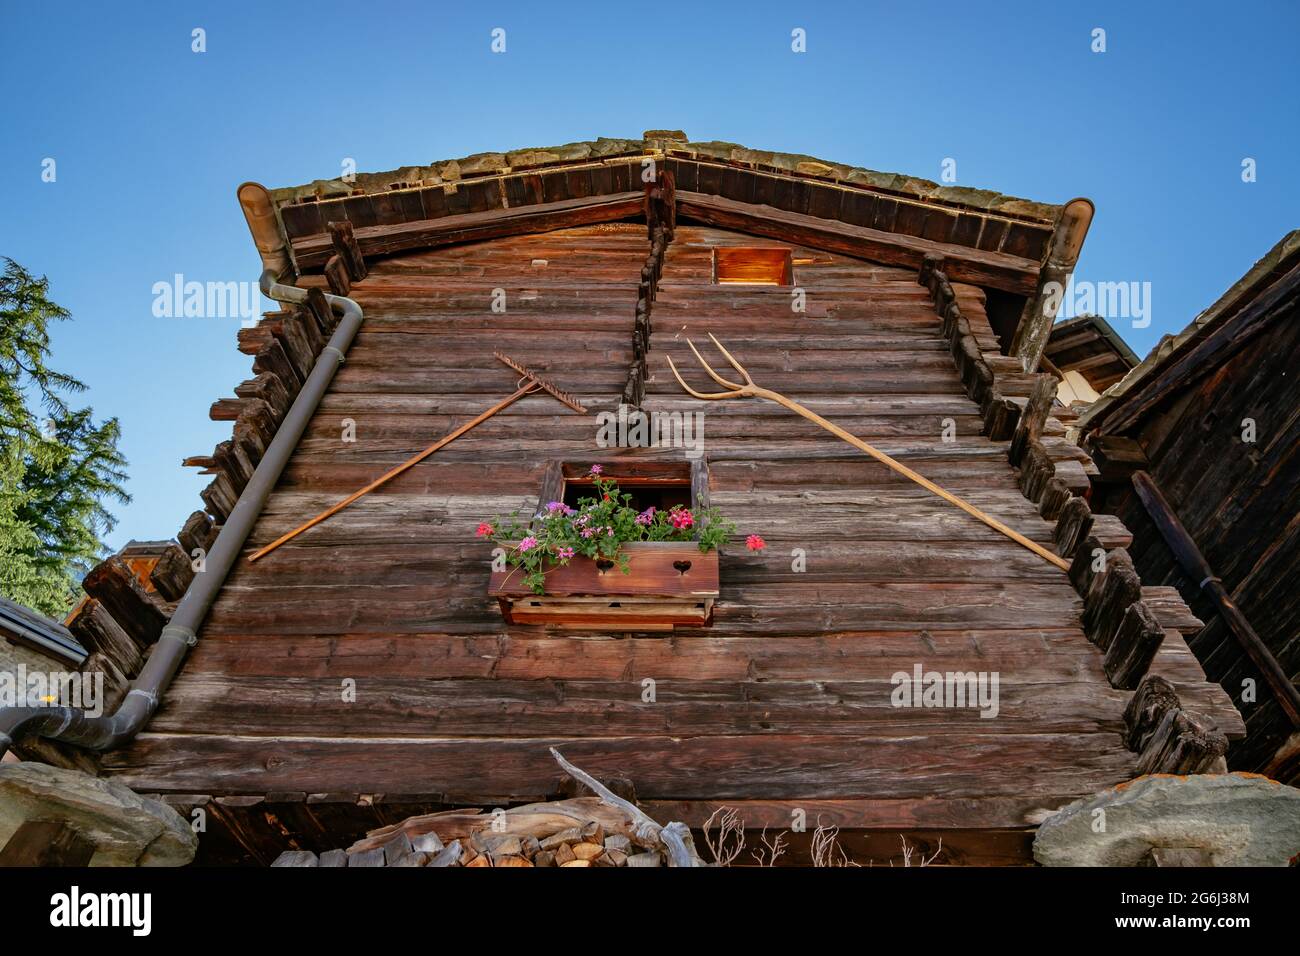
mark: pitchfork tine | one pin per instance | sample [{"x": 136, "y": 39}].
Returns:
[
  {"x": 734, "y": 364},
  {"x": 706, "y": 396},
  {"x": 709, "y": 368}
]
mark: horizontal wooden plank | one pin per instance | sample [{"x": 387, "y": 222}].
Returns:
[
  {"x": 413, "y": 707},
  {"x": 718, "y": 768},
  {"x": 312, "y": 251}
]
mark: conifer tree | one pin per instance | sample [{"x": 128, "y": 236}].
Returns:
[{"x": 58, "y": 468}]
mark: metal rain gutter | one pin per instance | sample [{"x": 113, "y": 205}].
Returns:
[{"x": 107, "y": 732}]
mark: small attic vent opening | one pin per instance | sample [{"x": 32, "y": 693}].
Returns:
[{"x": 736, "y": 265}]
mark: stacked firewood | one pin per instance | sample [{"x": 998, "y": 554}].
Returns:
[
  {"x": 582, "y": 832},
  {"x": 600, "y": 830}
]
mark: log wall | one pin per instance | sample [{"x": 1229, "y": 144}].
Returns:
[{"x": 362, "y": 664}]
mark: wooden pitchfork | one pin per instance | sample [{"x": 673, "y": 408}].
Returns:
[
  {"x": 532, "y": 383},
  {"x": 750, "y": 390}
]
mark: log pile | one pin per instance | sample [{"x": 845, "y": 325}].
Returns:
[
  {"x": 524, "y": 837},
  {"x": 601, "y": 830}
]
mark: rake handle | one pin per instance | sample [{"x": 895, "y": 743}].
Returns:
[
  {"x": 390, "y": 475},
  {"x": 921, "y": 480}
]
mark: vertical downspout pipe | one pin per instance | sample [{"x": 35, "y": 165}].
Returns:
[{"x": 108, "y": 732}]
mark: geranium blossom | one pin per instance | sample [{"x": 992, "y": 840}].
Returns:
[
  {"x": 597, "y": 528},
  {"x": 755, "y": 543}
]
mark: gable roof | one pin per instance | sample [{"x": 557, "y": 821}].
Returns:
[
  {"x": 1088, "y": 345},
  {"x": 1262, "y": 276},
  {"x": 989, "y": 239}
]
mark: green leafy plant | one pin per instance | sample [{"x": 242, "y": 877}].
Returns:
[{"x": 597, "y": 528}]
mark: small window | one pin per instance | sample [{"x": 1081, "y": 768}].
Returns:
[
  {"x": 762, "y": 266},
  {"x": 659, "y": 484}
]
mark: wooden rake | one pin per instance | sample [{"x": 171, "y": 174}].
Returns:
[
  {"x": 531, "y": 383},
  {"x": 750, "y": 390}
]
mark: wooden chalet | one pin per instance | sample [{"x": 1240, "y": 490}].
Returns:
[
  {"x": 1088, "y": 356},
  {"x": 361, "y": 673},
  {"x": 1199, "y": 454}
]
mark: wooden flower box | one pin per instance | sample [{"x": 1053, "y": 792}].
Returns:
[{"x": 669, "y": 584}]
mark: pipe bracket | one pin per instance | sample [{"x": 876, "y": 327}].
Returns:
[{"x": 180, "y": 633}]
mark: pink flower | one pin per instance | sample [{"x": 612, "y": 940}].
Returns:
[
  {"x": 565, "y": 553},
  {"x": 559, "y": 507},
  {"x": 681, "y": 519},
  {"x": 755, "y": 543},
  {"x": 528, "y": 543},
  {"x": 647, "y": 516},
  {"x": 587, "y": 532},
  {"x": 484, "y": 529},
  {"x": 596, "y": 469}
]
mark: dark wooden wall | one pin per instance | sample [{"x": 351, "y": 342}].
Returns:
[
  {"x": 1240, "y": 502},
  {"x": 783, "y": 704}
]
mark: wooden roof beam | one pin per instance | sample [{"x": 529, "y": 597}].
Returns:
[
  {"x": 996, "y": 270},
  {"x": 1039, "y": 313},
  {"x": 312, "y": 252}
]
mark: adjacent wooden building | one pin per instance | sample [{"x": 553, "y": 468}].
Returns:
[
  {"x": 362, "y": 673},
  {"x": 1199, "y": 448}
]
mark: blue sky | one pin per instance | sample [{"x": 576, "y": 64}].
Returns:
[{"x": 151, "y": 139}]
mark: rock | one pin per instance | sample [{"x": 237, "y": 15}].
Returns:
[
  {"x": 810, "y": 168},
  {"x": 673, "y": 135},
  {"x": 333, "y": 858},
  {"x": 448, "y": 856},
  {"x": 126, "y": 828},
  {"x": 651, "y": 858},
  {"x": 296, "y": 858},
  {"x": 373, "y": 857},
  {"x": 1239, "y": 819},
  {"x": 427, "y": 843}
]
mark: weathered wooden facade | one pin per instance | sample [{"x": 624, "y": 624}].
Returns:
[
  {"x": 361, "y": 672},
  {"x": 1209, "y": 423}
]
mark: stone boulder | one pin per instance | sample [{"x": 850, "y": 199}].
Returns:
[
  {"x": 1233, "y": 819},
  {"x": 126, "y": 828}
]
